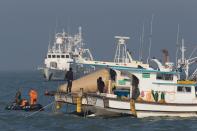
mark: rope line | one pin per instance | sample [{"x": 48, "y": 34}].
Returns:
[{"x": 39, "y": 110}]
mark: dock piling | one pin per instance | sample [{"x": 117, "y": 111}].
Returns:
[
  {"x": 132, "y": 107},
  {"x": 79, "y": 101}
]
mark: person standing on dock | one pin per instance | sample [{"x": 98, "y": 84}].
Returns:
[
  {"x": 100, "y": 85},
  {"x": 69, "y": 78},
  {"x": 33, "y": 95}
]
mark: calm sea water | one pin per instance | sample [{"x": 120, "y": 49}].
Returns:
[{"x": 50, "y": 121}]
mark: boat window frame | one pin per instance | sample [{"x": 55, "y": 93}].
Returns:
[
  {"x": 48, "y": 56},
  {"x": 58, "y": 56},
  {"x": 185, "y": 89},
  {"x": 195, "y": 90},
  {"x": 62, "y": 56},
  {"x": 53, "y": 56},
  {"x": 164, "y": 76}
]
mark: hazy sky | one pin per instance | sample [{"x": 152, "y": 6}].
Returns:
[{"x": 27, "y": 25}]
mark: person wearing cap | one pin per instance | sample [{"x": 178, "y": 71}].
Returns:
[{"x": 69, "y": 78}]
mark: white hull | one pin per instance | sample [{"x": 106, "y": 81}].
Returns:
[
  {"x": 155, "y": 109},
  {"x": 143, "y": 114},
  {"x": 179, "y": 110},
  {"x": 113, "y": 107},
  {"x": 53, "y": 74}
]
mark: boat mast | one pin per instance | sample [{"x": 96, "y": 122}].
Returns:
[
  {"x": 150, "y": 38},
  {"x": 177, "y": 45},
  {"x": 80, "y": 34},
  {"x": 183, "y": 52},
  {"x": 185, "y": 63}
]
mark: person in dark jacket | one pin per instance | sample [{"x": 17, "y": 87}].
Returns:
[
  {"x": 18, "y": 97},
  {"x": 69, "y": 78},
  {"x": 100, "y": 85}
]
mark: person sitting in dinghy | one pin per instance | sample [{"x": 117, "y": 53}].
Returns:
[
  {"x": 18, "y": 97},
  {"x": 24, "y": 102}
]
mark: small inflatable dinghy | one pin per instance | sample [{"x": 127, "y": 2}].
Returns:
[{"x": 34, "y": 107}]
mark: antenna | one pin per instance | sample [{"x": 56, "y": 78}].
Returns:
[
  {"x": 183, "y": 52},
  {"x": 80, "y": 34},
  {"x": 150, "y": 38},
  {"x": 177, "y": 44},
  {"x": 140, "y": 57},
  {"x": 194, "y": 50},
  {"x": 68, "y": 26},
  {"x": 121, "y": 56},
  {"x": 56, "y": 25},
  {"x": 49, "y": 46}
]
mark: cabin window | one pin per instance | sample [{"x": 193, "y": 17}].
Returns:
[
  {"x": 146, "y": 75},
  {"x": 183, "y": 89},
  {"x": 75, "y": 55},
  {"x": 53, "y": 64},
  {"x": 162, "y": 76},
  {"x": 49, "y": 56},
  {"x": 58, "y": 56},
  {"x": 53, "y": 56},
  {"x": 62, "y": 56},
  {"x": 67, "y": 56},
  {"x": 196, "y": 90}
]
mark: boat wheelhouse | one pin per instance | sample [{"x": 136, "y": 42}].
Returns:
[{"x": 65, "y": 53}]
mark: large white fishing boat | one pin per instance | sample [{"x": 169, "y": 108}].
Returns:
[
  {"x": 65, "y": 53},
  {"x": 134, "y": 88}
]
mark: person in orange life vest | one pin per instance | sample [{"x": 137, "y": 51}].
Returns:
[
  {"x": 33, "y": 96},
  {"x": 24, "y": 102}
]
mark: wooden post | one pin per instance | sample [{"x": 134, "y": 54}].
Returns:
[
  {"x": 132, "y": 107},
  {"x": 79, "y": 101},
  {"x": 109, "y": 87}
]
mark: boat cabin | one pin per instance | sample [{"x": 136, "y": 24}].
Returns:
[{"x": 154, "y": 86}]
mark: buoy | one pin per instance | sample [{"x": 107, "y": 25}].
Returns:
[
  {"x": 79, "y": 105},
  {"x": 132, "y": 108}
]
